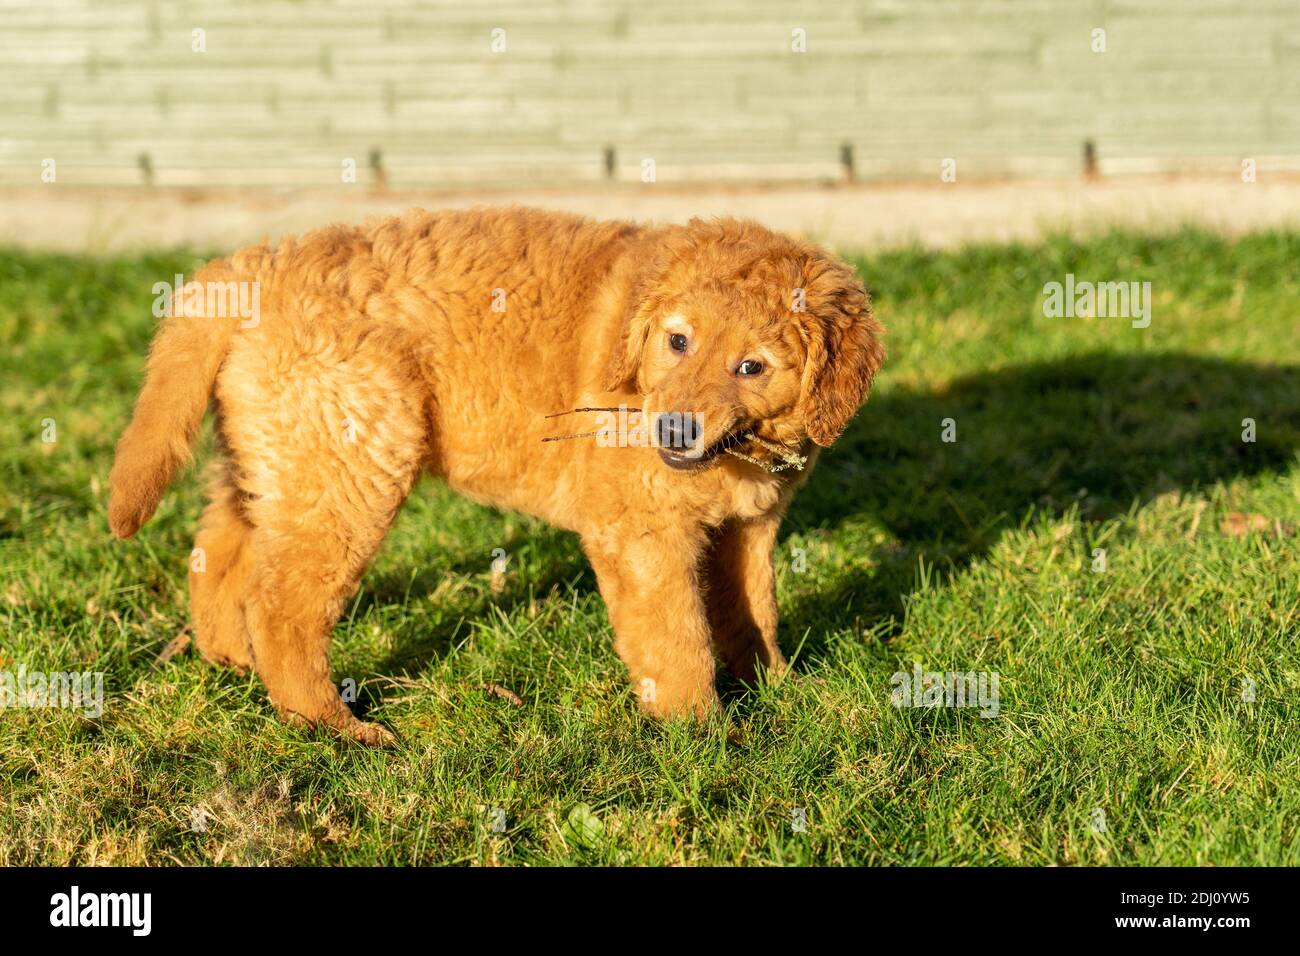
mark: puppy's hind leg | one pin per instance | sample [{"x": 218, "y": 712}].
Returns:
[
  {"x": 218, "y": 572},
  {"x": 297, "y": 588},
  {"x": 310, "y": 546},
  {"x": 323, "y": 502}
]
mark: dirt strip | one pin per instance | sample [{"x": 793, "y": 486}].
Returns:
[{"x": 867, "y": 216}]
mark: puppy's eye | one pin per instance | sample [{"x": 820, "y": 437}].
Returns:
[
  {"x": 677, "y": 342},
  {"x": 749, "y": 367}
]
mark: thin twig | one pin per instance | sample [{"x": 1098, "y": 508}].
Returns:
[
  {"x": 177, "y": 644},
  {"x": 789, "y": 459},
  {"x": 578, "y": 435},
  {"x": 496, "y": 690},
  {"x": 588, "y": 409}
]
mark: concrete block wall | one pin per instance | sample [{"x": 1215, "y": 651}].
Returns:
[{"x": 495, "y": 92}]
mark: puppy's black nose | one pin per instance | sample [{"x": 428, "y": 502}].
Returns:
[{"x": 679, "y": 430}]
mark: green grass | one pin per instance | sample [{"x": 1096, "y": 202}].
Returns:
[{"x": 1120, "y": 691}]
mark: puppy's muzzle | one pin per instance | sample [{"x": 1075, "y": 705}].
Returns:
[
  {"x": 679, "y": 432},
  {"x": 682, "y": 444}
]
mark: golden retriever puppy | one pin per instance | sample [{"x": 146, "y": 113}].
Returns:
[{"x": 445, "y": 343}]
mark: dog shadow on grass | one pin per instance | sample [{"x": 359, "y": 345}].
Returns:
[
  {"x": 420, "y": 638},
  {"x": 1097, "y": 431}
]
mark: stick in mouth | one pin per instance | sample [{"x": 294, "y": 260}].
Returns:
[
  {"x": 585, "y": 409},
  {"x": 789, "y": 458}
]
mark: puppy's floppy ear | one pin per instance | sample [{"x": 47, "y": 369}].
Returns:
[
  {"x": 625, "y": 356},
  {"x": 646, "y": 281},
  {"x": 844, "y": 349}
]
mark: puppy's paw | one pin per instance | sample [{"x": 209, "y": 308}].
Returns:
[
  {"x": 779, "y": 669},
  {"x": 240, "y": 666},
  {"x": 748, "y": 663},
  {"x": 372, "y": 735},
  {"x": 678, "y": 704}
]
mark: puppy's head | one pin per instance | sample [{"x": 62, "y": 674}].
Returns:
[{"x": 731, "y": 329}]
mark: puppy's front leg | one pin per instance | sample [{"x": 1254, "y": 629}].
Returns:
[
  {"x": 650, "y": 584},
  {"x": 740, "y": 593}
]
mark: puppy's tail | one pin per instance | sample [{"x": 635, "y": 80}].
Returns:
[{"x": 184, "y": 360}]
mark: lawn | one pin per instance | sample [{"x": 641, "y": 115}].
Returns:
[{"x": 1148, "y": 707}]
